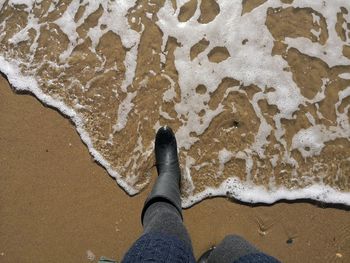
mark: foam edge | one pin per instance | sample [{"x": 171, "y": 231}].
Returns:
[
  {"x": 248, "y": 193},
  {"x": 21, "y": 82}
]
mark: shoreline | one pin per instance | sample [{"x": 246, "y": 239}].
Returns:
[
  {"x": 57, "y": 203},
  {"x": 239, "y": 190}
]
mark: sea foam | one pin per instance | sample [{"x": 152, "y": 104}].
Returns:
[{"x": 253, "y": 153}]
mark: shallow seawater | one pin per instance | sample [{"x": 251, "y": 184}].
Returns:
[{"x": 257, "y": 91}]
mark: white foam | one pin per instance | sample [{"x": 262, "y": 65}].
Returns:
[
  {"x": 310, "y": 141},
  {"x": 247, "y": 192},
  {"x": 123, "y": 111},
  {"x": 251, "y": 63},
  {"x": 331, "y": 51},
  {"x": 344, "y": 75}
]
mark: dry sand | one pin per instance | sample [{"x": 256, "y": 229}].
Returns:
[{"x": 56, "y": 203}]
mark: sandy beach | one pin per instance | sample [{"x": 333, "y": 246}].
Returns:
[
  {"x": 58, "y": 205},
  {"x": 257, "y": 92}
]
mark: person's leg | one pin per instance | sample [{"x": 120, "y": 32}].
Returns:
[
  {"x": 162, "y": 217},
  {"x": 162, "y": 211},
  {"x": 165, "y": 238},
  {"x": 236, "y": 249},
  {"x": 230, "y": 249}
]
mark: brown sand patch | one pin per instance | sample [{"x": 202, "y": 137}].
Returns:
[
  {"x": 249, "y": 5},
  {"x": 187, "y": 10},
  {"x": 198, "y": 48},
  {"x": 296, "y": 22},
  {"x": 218, "y": 54},
  {"x": 209, "y": 10}
]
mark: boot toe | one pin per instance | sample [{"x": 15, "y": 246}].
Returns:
[
  {"x": 165, "y": 148},
  {"x": 165, "y": 135}
]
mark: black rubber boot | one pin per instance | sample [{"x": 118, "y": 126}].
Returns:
[{"x": 167, "y": 186}]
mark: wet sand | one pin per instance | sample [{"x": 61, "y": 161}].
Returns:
[
  {"x": 249, "y": 106},
  {"x": 56, "y": 203}
]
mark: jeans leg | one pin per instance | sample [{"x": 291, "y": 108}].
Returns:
[
  {"x": 230, "y": 249},
  {"x": 164, "y": 218}
]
